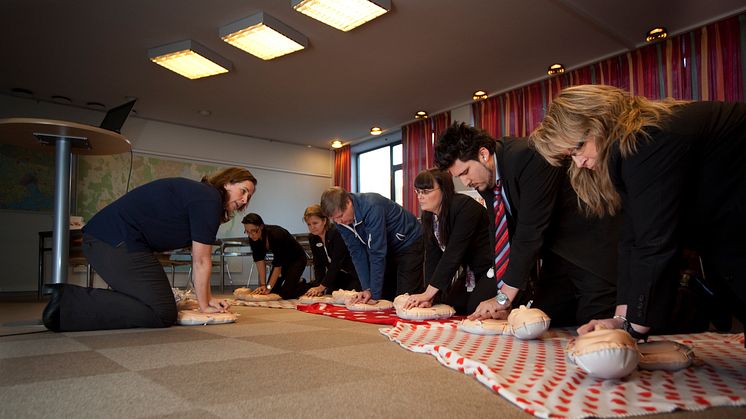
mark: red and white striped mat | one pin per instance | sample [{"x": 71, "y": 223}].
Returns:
[{"x": 536, "y": 376}]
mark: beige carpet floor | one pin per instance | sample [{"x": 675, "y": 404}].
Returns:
[{"x": 273, "y": 363}]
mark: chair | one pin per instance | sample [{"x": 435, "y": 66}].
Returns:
[
  {"x": 305, "y": 242},
  {"x": 183, "y": 257},
  {"x": 166, "y": 259}
]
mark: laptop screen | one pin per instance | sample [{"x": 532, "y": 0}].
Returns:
[{"x": 116, "y": 116}]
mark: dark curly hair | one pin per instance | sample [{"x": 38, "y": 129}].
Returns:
[{"x": 461, "y": 142}]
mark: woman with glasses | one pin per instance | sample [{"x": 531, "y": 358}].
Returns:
[
  {"x": 120, "y": 241},
  {"x": 332, "y": 263},
  {"x": 458, "y": 254},
  {"x": 288, "y": 258},
  {"x": 675, "y": 171}
]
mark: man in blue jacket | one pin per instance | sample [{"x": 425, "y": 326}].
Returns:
[{"x": 384, "y": 240}]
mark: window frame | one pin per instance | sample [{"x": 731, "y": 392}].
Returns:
[{"x": 392, "y": 168}]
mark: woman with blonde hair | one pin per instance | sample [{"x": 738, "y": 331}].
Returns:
[
  {"x": 675, "y": 171},
  {"x": 332, "y": 263}
]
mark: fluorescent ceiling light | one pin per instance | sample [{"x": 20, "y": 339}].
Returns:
[
  {"x": 263, "y": 36},
  {"x": 342, "y": 14},
  {"x": 189, "y": 59}
]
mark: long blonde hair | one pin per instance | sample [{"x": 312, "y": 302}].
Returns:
[{"x": 607, "y": 115}]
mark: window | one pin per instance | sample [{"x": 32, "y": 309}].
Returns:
[{"x": 380, "y": 171}]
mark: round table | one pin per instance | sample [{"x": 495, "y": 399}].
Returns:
[{"x": 66, "y": 138}]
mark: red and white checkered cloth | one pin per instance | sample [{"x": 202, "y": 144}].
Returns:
[
  {"x": 377, "y": 317},
  {"x": 536, "y": 376}
]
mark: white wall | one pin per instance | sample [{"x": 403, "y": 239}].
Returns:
[
  {"x": 462, "y": 114},
  {"x": 289, "y": 179}
]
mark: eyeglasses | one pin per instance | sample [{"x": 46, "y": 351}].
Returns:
[
  {"x": 574, "y": 152},
  {"x": 251, "y": 231},
  {"x": 424, "y": 192}
]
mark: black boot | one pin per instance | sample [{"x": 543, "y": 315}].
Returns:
[{"x": 51, "y": 315}]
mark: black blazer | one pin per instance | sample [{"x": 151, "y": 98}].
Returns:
[
  {"x": 544, "y": 216},
  {"x": 588, "y": 242},
  {"x": 685, "y": 186},
  {"x": 468, "y": 243},
  {"x": 530, "y": 185},
  {"x": 327, "y": 270}
]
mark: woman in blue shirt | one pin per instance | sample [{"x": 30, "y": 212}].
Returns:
[{"x": 119, "y": 243}]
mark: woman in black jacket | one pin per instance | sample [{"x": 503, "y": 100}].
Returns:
[
  {"x": 332, "y": 263},
  {"x": 288, "y": 262},
  {"x": 456, "y": 229},
  {"x": 675, "y": 171}
]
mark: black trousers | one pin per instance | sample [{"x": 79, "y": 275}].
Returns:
[
  {"x": 464, "y": 302},
  {"x": 140, "y": 294},
  {"x": 727, "y": 279},
  {"x": 344, "y": 281},
  {"x": 404, "y": 271},
  {"x": 571, "y": 295},
  {"x": 289, "y": 285}
]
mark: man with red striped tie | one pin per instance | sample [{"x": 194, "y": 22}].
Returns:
[{"x": 534, "y": 217}]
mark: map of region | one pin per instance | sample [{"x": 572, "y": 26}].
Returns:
[
  {"x": 26, "y": 179},
  {"x": 103, "y": 179}
]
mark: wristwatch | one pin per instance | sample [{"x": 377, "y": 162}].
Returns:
[
  {"x": 502, "y": 298},
  {"x": 627, "y": 326},
  {"x": 269, "y": 287}
]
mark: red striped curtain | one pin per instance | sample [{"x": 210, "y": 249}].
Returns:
[
  {"x": 418, "y": 139},
  {"x": 705, "y": 64},
  {"x": 342, "y": 168}
]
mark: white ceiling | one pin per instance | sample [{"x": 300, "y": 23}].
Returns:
[{"x": 423, "y": 54}]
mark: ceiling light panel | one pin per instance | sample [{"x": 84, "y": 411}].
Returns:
[
  {"x": 342, "y": 14},
  {"x": 189, "y": 59},
  {"x": 263, "y": 36}
]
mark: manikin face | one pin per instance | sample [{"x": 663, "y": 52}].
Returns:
[
  {"x": 347, "y": 216},
  {"x": 478, "y": 174},
  {"x": 253, "y": 231},
  {"x": 585, "y": 154},
  {"x": 315, "y": 225},
  {"x": 239, "y": 195},
  {"x": 430, "y": 199}
]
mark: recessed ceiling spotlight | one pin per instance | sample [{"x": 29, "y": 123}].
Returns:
[
  {"x": 95, "y": 105},
  {"x": 21, "y": 92},
  {"x": 420, "y": 115},
  {"x": 479, "y": 95},
  {"x": 336, "y": 144},
  {"x": 555, "y": 69},
  {"x": 376, "y": 131},
  {"x": 62, "y": 99},
  {"x": 205, "y": 112},
  {"x": 656, "y": 34}
]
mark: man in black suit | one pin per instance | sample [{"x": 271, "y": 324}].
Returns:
[{"x": 577, "y": 280}]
